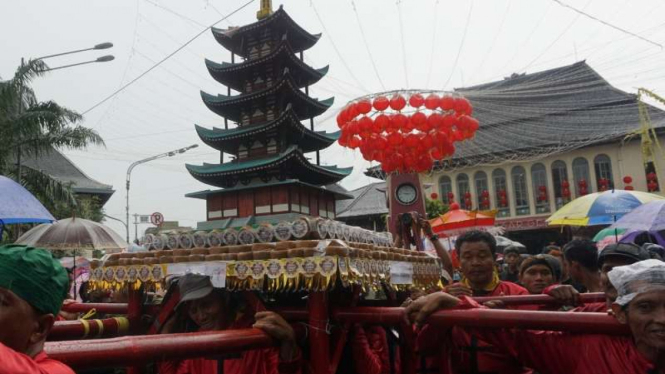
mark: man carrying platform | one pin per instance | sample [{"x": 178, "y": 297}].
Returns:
[
  {"x": 640, "y": 304},
  {"x": 32, "y": 288}
]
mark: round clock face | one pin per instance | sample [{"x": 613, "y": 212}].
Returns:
[{"x": 406, "y": 194}]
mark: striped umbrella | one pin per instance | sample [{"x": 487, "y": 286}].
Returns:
[{"x": 600, "y": 208}]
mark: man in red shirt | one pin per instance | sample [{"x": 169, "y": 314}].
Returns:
[
  {"x": 32, "y": 288},
  {"x": 476, "y": 251},
  {"x": 640, "y": 304},
  {"x": 204, "y": 308}
]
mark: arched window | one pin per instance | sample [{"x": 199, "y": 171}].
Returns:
[
  {"x": 445, "y": 187},
  {"x": 501, "y": 193},
  {"x": 462, "y": 189},
  {"x": 520, "y": 191},
  {"x": 559, "y": 174},
  {"x": 539, "y": 184},
  {"x": 480, "y": 180},
  {"x": 581, "y": 173},
  {"x": 603, "y": 166}
]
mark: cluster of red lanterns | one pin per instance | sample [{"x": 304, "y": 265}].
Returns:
[
  {"x": 467, "y": 200},
  {"x": 582, "y": 187},
  {"x": 627, "y": 180},
  {"x": 406, "y": 141},
  {"x": 503, "y": 198},
  {"x": 652, "y": 182},
  {"x": 603, "y": 184},
  {"x": 542, "y": 193},
  {"x": 485, "y": 199},
  {"x": 565, "y": 189}
]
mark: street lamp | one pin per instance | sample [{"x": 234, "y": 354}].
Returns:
[
  {"x": 135, "y": 164},
  {"x": 105, "y": 45}
]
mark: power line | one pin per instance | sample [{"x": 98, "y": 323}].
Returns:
[
  {"x": 607, "y": 23},
  {"x": 434, "y": 28},
  {"x": 401, "y": 35},
  {"x": 362, "y": 33},
  {"x": 175, "y": 13},
  {"x": 164, "y": 59},
  {"x": 332, "y": 42},
  {"x": 461, "y": 45}
]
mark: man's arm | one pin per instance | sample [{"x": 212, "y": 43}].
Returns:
[{"x": 443, "y": 254}]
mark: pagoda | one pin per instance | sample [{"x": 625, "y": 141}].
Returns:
[{"x": 269, "y": 177}]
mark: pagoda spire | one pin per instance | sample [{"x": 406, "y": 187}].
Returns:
[{"x": 265, "y": 11}]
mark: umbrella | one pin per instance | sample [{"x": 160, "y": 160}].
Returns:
[
  {"x": 634, "y": 236},
  {"x": 608, "y": 236},
  {"x": 647, "y": 217},
  {"x": 600, "y": 208},
  {"x": 74, "y": 234},
  {"x": 457, "y": 221},
  {"x": 17, "y": 205}
]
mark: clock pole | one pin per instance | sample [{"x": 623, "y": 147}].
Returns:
[{"x": 401, "y": 200}]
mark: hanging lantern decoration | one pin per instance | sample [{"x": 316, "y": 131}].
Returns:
[
  {"x": 603, "y": 184},
  {"x": 451, "y": 198},
  {"x": 583, "y": 187},
  {"x": 627, "y": 180},
  {"x": 652, "y": 182},
  {"x": 542, "y": 193},
  {"x": 565, "y": 189},
  {"x": 485, "y": 199},
  {"x": 434, "y": 196},
  {"x": 406, "y": 135},
  {"x": 503, "y": 199}
]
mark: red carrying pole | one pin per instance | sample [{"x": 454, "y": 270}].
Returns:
[
  {"x": 595, "y": 297},
  {"x": 89, "y": 329},
  {"x": 591, "y": 323},
  {"x": 318, "y": 333},
  {"x": 140, "y": 350},
  {"x": 109, "y": 308}
]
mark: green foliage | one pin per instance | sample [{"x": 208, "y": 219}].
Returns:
[
  {"x": 34, "y": 128},
  {"x": 88, "y": 207},
  {"x": 435, "y": 208}
]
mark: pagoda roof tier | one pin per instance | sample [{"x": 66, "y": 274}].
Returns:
[
  {"x": 285, "y": 88},
  {"x": 235, "y": 75},
  {"x": 234, "y": 38},
  {"x": 287, "y": 123},
  {"x": 203, "y": 194},
  {"x": 291, "y": 161}
]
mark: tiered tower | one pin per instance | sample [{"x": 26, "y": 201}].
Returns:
[{"x": 268, "y": 178}]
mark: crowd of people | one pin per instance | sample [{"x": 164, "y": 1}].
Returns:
[{"x": 33, "y": 286}]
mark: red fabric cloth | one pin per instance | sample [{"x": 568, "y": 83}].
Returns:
[
  {"x": 258, "y": 361},
  {"x": 553, "y": 352},
  {"x": 371, "y": 353},
  {"x": 458, "y": 350},
  {"x": 12, "y": 362}
]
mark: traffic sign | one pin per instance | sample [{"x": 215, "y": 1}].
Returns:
[{"x": 156, "y": 218}]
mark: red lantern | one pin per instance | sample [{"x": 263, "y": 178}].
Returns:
[
  {"x": 467, "y": 194},
  {"x": 651, "y": 176},
  {"x": 451, "y": 197},
  {"x": 467, "y": 202},
  {"x": 434, "y": 195},
  {"x": 447, "y": 103},
  {"x": 582, "y": 183},
  {"x": 435, "y": 121},
  {"x": 354, "y": 142},
  {"x": 432, "y": 101},
  {"x": 627, "y": 179},
  {"x": 485, "y": 194},
  {"x": 503, "y": 202},
  {"x": 565, "y": 193},
  {"x": 399, "y": 120},
  {"x": 381, "y": 103},
  {"x": 565, "y": 184},
  {"x": 652, "y": 186},
  {"x": 462, "y": 106},
  {"x": 629, "y": 188},
  {"x": 364, "y": 106},
  {"x": 397, "y": 102},
  {"x": 454, "y": 206},
  {"x": 416, "y": 100},
  {"x": 542, "y": 188}
]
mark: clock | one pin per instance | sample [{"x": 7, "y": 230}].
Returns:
[{"x": 406, "y": 194}]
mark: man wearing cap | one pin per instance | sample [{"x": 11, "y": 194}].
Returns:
[
  {"x": 204, "y": 308},
  {"x": 640, "y": 305},
  {"x": 32, "y": 288},
  {"x": 511, "y": 269},
  {"x": 613, "y": 255},
  {"x": 538, "y": 272}
]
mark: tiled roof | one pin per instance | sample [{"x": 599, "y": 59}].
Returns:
[{"x": 368, "y": 200}]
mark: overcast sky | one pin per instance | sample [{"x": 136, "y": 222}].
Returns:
[{"x": 412, "y": 43}]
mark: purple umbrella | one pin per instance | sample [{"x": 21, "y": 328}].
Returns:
[
  {"x": 646, "y": 217},
  {"x": 17, "y": 205},
  {"x": 641, "y": 236}
]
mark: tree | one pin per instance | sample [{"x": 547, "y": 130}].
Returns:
[
  {"x": 31, "y": 127},
  {"x": 434, "y": 208}
]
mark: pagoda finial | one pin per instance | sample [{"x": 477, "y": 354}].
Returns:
[{"x": 266, "y": 9}]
